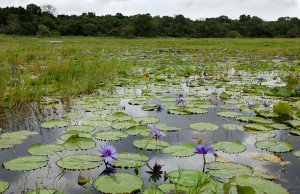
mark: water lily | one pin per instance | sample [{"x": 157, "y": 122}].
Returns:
[
  {"x": 260, "y": 78},
  {"x": 159, "y": 107},
  {"x": 108, "y": 153},
  {"x": 181, "y": 102},
  {"x": 297, "y": 88},
  {"x": 202, "y": 149},
  {"x": 250, "y": 105},
  {"x": 155, "y": 132},
  {"x": 267, "y": 103}
]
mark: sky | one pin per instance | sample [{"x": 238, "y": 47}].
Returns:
[{"x": 268, "y": 10}]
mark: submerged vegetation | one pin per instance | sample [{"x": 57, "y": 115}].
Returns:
[{"x": 169, "y": 115}]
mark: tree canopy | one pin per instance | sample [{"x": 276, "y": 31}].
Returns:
[{"x": 42, "y": 21}]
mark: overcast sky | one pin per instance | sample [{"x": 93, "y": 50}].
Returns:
[{"x": 193, "y": 9}]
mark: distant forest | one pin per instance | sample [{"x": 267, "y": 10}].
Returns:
[{"x": 43, "y": 21}]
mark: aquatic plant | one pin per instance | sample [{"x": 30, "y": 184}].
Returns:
[
  {"x": 108, "y": 153},
  {"x": 155, "y": 132},
  {"x": 203, "y": 149},
  {"x": 159, "y": 107},
  {"x": 181, "y": 102}
]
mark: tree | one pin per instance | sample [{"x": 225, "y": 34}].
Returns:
[
  {"x": 34, "y": 9},
  {"x": 49, "y": 9}
]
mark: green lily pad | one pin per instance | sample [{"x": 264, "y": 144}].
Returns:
[
  {"x": 98, "y": 123},
  {"x": 267, "y": 157},
  {"x": 26, "y": 163},
  {"x": 150, "y": 143},
  {"x": 120, "y": 116},
  {"x": 72, "y": 115},
  {"x": 75, "y": 134},
  {"x": 183, "y": 150},
  {"x": 42, "y": 149},
  {"x": 81, "y": 128},
  {"x": 3, "y": 186},
  {"x": 54, "y": 123},
  {"x": 164, "y": 127},
  {"x": 44, "y": 191},
  {"x": 204, "y": 126},
  {"x": 233, "y": 127},
  {"x": 228, "y": 169},
  {"x": 80, "y": 162},
  {"x": 79, "y": 143},
  {"x": 21, "y": 135},
  {"x": 152, "y": 191},
  {"x": 189, "y": 178},
  {"x": 130, "y": 160},
  {"x": 274, "y": 145},
  {"x": 195, "y": 110},
  {"x": 282, "y": 108},
  {"x": 266, "y": 114},
  {"x": 139, "y": 130},
  {"x": 146, "y": 119},
  {"x": 260, "y": 120},
  {"x": 294, "y": 123},
  {"x": 124, "y": 124},
  {"x": 256, "y": 127},
  {"x": 296, "y": 153},
  {"x": 295, "y": 132},
  {"x": 266, "y": 135},
  {"x": 8, "y": 143},
  {"x": 258, "y": 185},
  {"x": 279, "y": 126},
  {"x": 228, "y": 114},
  {"x": 231, "y": 147},
  {"x": 118, "y": 184},
  {"x": 111, "y": 135},
  {"x": 171, "y": 188}
]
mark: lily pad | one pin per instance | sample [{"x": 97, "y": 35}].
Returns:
[
  {"x": 233, "y": 127},
  {"x": 204, "y": 126},
  {"x": 228, "y": 169},
  {"x": 75, "y": 134},
  {"x": 228, "y": 114},
  {"x": 3, "y": 186},
  {"x": 139, "y": 130},
  {"x": 267, "y": 157},
  {"x": 110, "y": 135},
  {"x": 274, "y": 145},
  {"x": 124, "y": 124},
  {"x": 80, "y": 162},
  {"x": 296, "y": 153},
  {"x": 79, "y": 143},
  {"x": 259, "y": 185},
  {"x": 8, "y": 143},
  {"x": 294, "y": 123},
  {"x": 26, "y": 163},
  {"x": 189, "y": 178},
  {"x": 282, "y": 108},
  {"x": 72, "y": 115},
  {"x": 54, "y": 123},
  {"x": 256, "y": 127},
  {"x": 21, "y": 135},
  {"x": 164, "y": 127},
  {"x": 195, "y": 110},
  {"x": 130, "y": 160},
  {"x": 152, "y": 191},
  {"x": 120, "y": 116},
  {"x": 81, "y": 128},
  {"x": 98, "y": 123},
  {"x": 279, "y": 126},
  {"x": 118, "y": 184},
  {"x": 42, "y": 149},
  {"x": 171, "y": 188},
  {"x": 146, "y": 119},
  {"x": 183, "y": 150},
  {"x": 44, "y": 191},
  {"x": 231, "y": 147},
  {"x": 150, "y": 143},
  {"x": 295, "y": 132}
]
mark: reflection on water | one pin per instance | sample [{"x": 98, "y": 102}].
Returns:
[{"x": 52, "y": 176}]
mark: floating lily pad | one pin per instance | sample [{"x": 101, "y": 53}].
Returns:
[
  {"x": 79, "y": 143},
  {"x": 54, "y": 123},
  {"x": 8, "y": 143},
  {"x": 42, "y": 149},
  {"x": 231, "y": 147},
  {"x": 274, "y": 145},
  {"x": 193, "y": 110},
  {"x": 204, "y": 126},
  {"x": 263, "y": 173},
  {"x": 72, "y": 115},
  {"x": 178, "y": 111},
  {"x": 118, "y": 184},
  {"x": 189, "y": 178},
  {"x": 130, "y": 160},
  {"x": 296, "y": 153},
  {"x": 294, "y": 123},
  {"x": 98, "y": 123},
  {"x": 26, "y": 163},
  {"x": 228, "y": 114},
  {"x": 267, "y": 157},
  {"x": 266, "y": 114},
  {"x": 21, "y": 135},
  {"x": 164, "y": 127},
  {"x": 266, "y": 135},
  {"x": 295, "y": 132},
  {"x": 152, "y": 191},
  {"x": 233, "y": 127},
  {"x": 3, "y": 186},
  {"x": 120, "y": 116},
  {"x": 282, "y": 108},
  {"x": 147, "y": 119},
  {"x": 44, "y": 191},
  {"x": 183, "y": 150},
  {"x": 75, "y": 134},
  {"x": 81, "y": 128},
  {"x": 259, "y": 185},
  {"x": 124, "y": 124},
  {"x": 80, "y": 162},
  {"x": 260, "y": 120},
  {"x": 139, "y": 130},
  {"x": 279, "y": 126},
  {"x": 111, "y": 135},
  {"x": 171, "y": 188},
  {"x": 228, "y": 169},
  {"x": 150, "y": 143},
  {"x": 256, "y": 127}
]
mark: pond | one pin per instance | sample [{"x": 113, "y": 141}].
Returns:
[{"x": 230, "y": 114}]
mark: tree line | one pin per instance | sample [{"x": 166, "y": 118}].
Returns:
[{"x": 42, "y": 21}]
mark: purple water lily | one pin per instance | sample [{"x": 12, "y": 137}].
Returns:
[
  {"x": 159, "y": 107},
  {"x": 297, "y": 88},
  {"x": 108, "y": 153},
  {"x": 155, "y": 132},
  {"x": 250, "y": 105},
  {"x": 181, "y": 102},
  {"x": 260, "y": 78},
  {"x": 202, "y": 149},
  {"x": 267, "y": 103}
]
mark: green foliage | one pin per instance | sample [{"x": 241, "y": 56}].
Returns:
[
  {"x": 26, "y": 163},
  {"x": 282, "y": 108}
]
